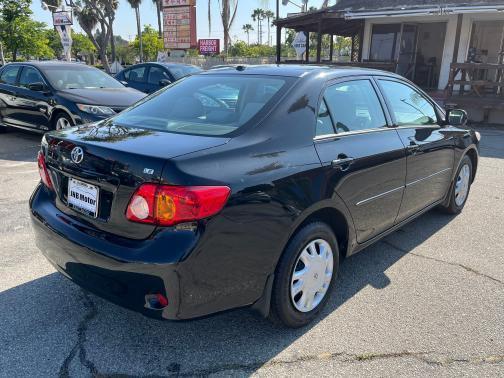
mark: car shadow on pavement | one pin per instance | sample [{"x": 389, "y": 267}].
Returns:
[
  {"x": 17, "y": 145},
  {"x": 51, "y": 322}
]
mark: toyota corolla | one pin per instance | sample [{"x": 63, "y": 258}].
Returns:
[{"x": 188, "y": 204}]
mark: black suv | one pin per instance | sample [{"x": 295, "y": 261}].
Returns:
[{"x": 54, "y": 95}]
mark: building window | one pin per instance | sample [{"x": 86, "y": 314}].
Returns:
[
  {"x": 384, "y": 42},
  {"x": 485, "y": 43}
]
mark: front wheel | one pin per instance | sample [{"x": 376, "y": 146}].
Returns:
[
  {"x": 460, "y": 189},
  {"x": 305, "y": 275},
  {"x": 62, "y": 121}
]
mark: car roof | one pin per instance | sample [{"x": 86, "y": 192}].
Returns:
[
  {"x": 51, "y": 63},
  {"x": 295, "y": 70}
]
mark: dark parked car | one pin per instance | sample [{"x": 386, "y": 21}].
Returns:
[
  {"x": 183, "y": 205},
  {"x": 54, "y": 95},
  {"x": 150, "y": 77}
]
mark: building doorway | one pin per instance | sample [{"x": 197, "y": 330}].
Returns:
[{"x": 416, "y": 48}]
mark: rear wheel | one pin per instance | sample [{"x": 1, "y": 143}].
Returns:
[
  {"x": 460, "y": 188},
  {"x": 62, "y": 121},
  {"x": 305, "y": 275}
]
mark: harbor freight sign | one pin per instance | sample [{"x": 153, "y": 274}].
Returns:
[
  {"x": 179, "y": 21},
  {"x": 209, "y": 46}
]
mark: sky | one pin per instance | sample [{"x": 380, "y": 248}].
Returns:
[{"x": 125, "y": 23}]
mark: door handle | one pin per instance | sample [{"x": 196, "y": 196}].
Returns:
[
  {"x": 413, "y": 148},
  {"x": 342, "y": 163}
]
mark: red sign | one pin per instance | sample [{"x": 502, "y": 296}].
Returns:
[
  {"x": 179, "y": 21},
  {"x": 209, "y": 46}
]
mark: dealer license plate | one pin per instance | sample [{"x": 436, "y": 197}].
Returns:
[{"x": 83, "y": 197}]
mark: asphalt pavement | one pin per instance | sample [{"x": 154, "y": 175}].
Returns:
[{"x": 426, "y": 300}]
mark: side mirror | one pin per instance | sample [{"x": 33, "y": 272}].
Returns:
[
  {"x": 37, "y": 87},
  {"x": 164, "y": 82},
  {"x": 457, "y": 117}
]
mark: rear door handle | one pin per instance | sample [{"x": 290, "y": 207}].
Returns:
[
  {"x": 342, "y": 163},
  {"x": 413, "y": 148}
]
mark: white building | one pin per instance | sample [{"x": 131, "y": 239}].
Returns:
[{"x": 423, "y": 40}]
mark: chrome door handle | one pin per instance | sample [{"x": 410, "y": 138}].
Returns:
[
  {"x": 343, "y": 163},
  {"x": 413, "y": 148}
]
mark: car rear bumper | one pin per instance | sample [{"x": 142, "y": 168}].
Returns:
[{"x": 126, "y": 272}]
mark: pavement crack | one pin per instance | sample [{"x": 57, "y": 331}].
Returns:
[
  {"x": 79, "y": 347},
  {"x": 466, "y": 268}
]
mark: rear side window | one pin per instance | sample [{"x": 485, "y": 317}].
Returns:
[
  {"x": 136, "y": 75},
  {"x": 408, "y": 106},
  {"x": 354, "y": 106},
  {"x": 9, "y": 75},
  {"x": 206, "y": 104}
]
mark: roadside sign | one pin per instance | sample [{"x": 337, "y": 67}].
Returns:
[
  {"x": 65, "y": 33},
  {"x": 299, "y": 43},
  {"x": 209, "y": 46},
  {"x": 62, "y": 18}
]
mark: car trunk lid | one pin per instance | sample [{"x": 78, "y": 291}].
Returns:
[{"x": 115, "y": 161}]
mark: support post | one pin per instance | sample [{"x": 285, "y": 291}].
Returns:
[
  {"x": 331, "y": 48},
  {"x": 319, "y": 42},
  {"x": 307, "y": 53},
  {"x": 278, "y": 44}
]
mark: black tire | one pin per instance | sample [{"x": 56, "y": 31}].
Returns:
[
  {"x": 283, "y": 310},
  {"x": 60, "y": 116},
  {"x": 454, "y": 206}
]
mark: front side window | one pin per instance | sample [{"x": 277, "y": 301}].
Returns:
[
  {"x": 136, "y": 75},
  {"x": 354, "y": 106},
  {"x": 408, "y": 106},
  {"x": 156, "y": 74},
  {"x": 206, "y": 104},
  {"x": 28, "y": 76},
  {"x": 324, "y": 122},
  {"x": 9, "y": 75}
]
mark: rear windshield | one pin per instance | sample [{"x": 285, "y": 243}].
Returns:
[{"x": 206, "y": 104}]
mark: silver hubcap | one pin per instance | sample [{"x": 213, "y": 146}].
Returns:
[
  {"x": 312, "y": 275},
  {"x": 62, "y": 123},
  {"x": 462, "y": 185}
]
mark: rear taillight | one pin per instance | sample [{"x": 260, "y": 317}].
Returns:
[
  {"x": 166, "y": 205},
  {"x": 44, "y": 173}
]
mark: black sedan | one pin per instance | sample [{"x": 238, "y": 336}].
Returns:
[
  {"x": 184, "y": 205},
  {"x": 150, "y": 77},
  {"x": 45, "y": 96}
]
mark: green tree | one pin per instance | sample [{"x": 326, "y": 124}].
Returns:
[
  {"x": 152, "y": 44},
  {"x": 82, "y": 45},
  {"x": 97, "y": 15},
  {"x": 269, "y": 15},
  {"x": 227, "y": 10},
  {"x": 247, "y": 28},
  {"x": 13, "y": 16},
  {"x": 258, "y": 15},
  {"x": 135, "y": 4},
  {"x": 159, "y": 4}
]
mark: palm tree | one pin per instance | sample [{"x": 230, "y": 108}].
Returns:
[
  {"x": 159, "y": 12},
  {"x": 258, "y": 16},
  {"x": 247, "y": 28},
  {"x": 269, "y": 16},
  {"x": 227, "y": 18},
  {"x": 135, "y": 4}
]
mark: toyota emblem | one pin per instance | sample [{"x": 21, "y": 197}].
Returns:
[{"x": 77, "y": 155}]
